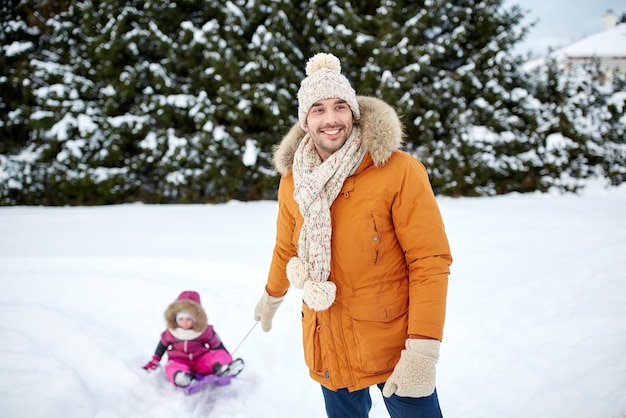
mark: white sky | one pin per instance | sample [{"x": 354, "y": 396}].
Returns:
[{"x": 560, "y": 22}]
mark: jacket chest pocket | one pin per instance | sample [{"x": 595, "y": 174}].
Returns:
[{"x": 372, "y": 236}]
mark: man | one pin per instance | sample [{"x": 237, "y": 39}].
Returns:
[{"x": 359, "y": 230}]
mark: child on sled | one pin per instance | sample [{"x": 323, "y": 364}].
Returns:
[{"x": 193, "y": 347}]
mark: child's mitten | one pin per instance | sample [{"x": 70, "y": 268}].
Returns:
[{"x": 152, "y": 364}]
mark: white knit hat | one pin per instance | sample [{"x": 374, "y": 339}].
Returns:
[
  {"x": 183, "y": 314},
  {"x": 324, "y": 81}
]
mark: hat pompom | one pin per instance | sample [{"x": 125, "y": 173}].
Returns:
[
  {"x": 323, "y": 61},
  {"x": 297, "y": 272},
  {"x": 319, "y": 295}
]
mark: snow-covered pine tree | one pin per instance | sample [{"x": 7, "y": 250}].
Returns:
[
  {"x": 182, "y": 101},
  {"x": 134, "y": 100},
  {"x": 23, "y": 35},
  {"x": 448, "y": 68},
  {"x": 579, "y": 127},
  {"x": 269, "y": 77}
]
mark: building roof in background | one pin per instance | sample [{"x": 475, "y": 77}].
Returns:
[{"x": 610, "y": 43}]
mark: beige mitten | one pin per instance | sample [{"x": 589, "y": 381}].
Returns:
[
  {"x": 414, "y": 375},
  {"x": 265, "y": 310}
]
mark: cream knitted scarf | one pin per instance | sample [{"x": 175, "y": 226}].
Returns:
[{"x": 317, "y": 184}]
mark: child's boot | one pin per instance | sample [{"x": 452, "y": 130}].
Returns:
[{"x": 183, "y": 379}]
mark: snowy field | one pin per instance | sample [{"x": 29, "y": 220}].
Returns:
[{"x": 536, "y": 323}]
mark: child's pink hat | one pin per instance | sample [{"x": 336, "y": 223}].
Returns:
[{"x": 190, "y": 295}]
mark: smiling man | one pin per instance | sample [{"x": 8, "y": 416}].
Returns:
[
  {"x": 329, "y": 123},
  {"x": 360, "y": 232}
]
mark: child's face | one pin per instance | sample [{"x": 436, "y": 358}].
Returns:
[{"x": 185, "y": 323}]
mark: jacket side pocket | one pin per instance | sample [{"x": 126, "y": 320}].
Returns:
[{"x": 380, "y": 330}]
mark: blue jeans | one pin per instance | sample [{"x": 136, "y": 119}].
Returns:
[{"x": 357, "y": 404}]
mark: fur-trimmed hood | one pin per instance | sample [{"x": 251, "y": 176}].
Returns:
[
  {"x": 382, "y": 133},
  {"x": 188, "y": 301}
]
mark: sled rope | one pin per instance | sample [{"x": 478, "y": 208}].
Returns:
[{"x": 244, "y": 338}]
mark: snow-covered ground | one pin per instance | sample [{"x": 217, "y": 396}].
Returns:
[{"x": 536, "y": 323}]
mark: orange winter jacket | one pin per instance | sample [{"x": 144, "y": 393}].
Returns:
[{"x": 390, "y": 257}]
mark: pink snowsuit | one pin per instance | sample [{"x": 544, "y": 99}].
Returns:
[
  {"x": 198, "y": 350},
  {"x": 198, "y": 355}
]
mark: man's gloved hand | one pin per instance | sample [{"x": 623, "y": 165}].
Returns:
[
  {"x": 414, "y": 375},
  {"x": 152, "y": 364},
  {"x": 265, "y": 310}
]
